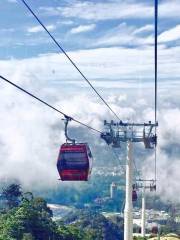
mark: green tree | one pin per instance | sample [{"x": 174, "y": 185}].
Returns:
[
  {"x": 33, "y": 217},
  {"x": 12, "y": 194},
  {"x": 74, "y": 233},
  {"x": 27, "y": 236}
]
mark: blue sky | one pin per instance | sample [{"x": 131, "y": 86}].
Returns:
[
  {"x": 110, "y": 39},
  {"x": 85, "y": 25}
]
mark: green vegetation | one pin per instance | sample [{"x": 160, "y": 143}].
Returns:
[
  {"x": 170, "y": 227},
  {"x": 25, "y": 217},
  {"x": 140, "y": 238},
  {"x": 95, "y": 224},
  {"x": 12, "y": 194},
  {"x": 73, "y": 233},
  {"x": 29, "y": 218},
  {"x": 170, "y": 236},
  {"x": 32, "y": 219}
]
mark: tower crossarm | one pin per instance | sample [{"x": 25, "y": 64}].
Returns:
[
  {"x": 117, "y": 132},
  {"x": 146, "y": 184}
]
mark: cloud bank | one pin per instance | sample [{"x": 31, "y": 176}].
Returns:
[
  {"x": 83, "y": 28},
  {"x": 98, "y": 11},
  {"x": 38, "y": 28},
  {"x": 30, "y": 134}
]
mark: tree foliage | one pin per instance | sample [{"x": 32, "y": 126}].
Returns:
[
  {"x": 12, "y": 194},
  {"x": 95, "y": 224},
  {"x": 31, "y": 219}
]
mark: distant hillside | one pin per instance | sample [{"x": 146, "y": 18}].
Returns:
[
  {"x": 169, "y": 236},
  {"x": 96, "y": 223}
]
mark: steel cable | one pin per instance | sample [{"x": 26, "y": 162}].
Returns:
[
  {"x": 69, "y": 58},
  {"x": 47, "y": 104}
]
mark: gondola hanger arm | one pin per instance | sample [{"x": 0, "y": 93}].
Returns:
[{"x": 66, "y": 121}]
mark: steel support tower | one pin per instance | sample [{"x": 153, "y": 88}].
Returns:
[
  {"x": 129, "y": 133},
  {"x": 143, "y": 213},
  {"x": 144, "y": 185}
]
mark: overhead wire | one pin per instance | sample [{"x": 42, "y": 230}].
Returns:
[
  {"x": 155, "y": 83},
  {"x": 136, "y": 169},
  {"x": 117, "y": 157},
  {"x": 155, "y": 75},
  {"x": 69, "y": 58},
  {"x": 47, "y": 104},
  {"x": 77, "y": 68},
  {"x": 155, "y": 55},
  {"x": 124, "y": 172}
]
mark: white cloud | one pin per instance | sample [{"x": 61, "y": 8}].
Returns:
[
  {"x": 126, "y": 35},
  {"x": 12, "y": 1},
  {"x": 8, "y": 30},
  {"x": 83, "y": 28},
  {"x": 168, "y": 164},
  {"x": 67, "y": 22},
  {"x": 37, "y": 29},
  {"x": 30, "y": 134},
  {"x": 115, "y": 10},
  {"x": 103, "y": 64},
  {"x": 167, "y": 175},
  {"x": 49, "y": 11},
  {"x": 101, "y": 11},
  {"x": 170, "y": 35},
  {"x": 144, "y": 29},
  {"x": 119, "y": 35},
  {"x": 169, "y": 9}
]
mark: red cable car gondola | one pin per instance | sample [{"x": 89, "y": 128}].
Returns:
[
  {"x": 75, "y": 160},
  {"x": 154, "y": 230},
  {"x": 134, "y": 193},
  {"x": 134, "y": 196}
]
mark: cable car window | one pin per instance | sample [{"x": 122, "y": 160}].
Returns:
[
  {"x": 74, "y": 156},
  {"x": 72, "y": 159}
]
